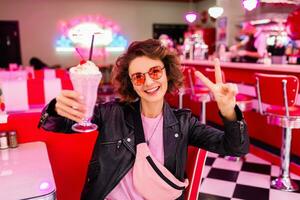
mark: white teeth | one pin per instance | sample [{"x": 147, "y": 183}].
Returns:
[{"x": 152, "y": 90}]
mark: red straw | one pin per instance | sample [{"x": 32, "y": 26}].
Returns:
[{"x": 77, "y": 50}]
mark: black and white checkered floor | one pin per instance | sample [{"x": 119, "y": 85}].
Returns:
[{"x": 245, "y": 179}]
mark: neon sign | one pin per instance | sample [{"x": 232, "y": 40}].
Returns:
[{"x": 77, "y": 33}]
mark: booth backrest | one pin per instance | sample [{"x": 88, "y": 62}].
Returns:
[{"x": 270, "y": 87}]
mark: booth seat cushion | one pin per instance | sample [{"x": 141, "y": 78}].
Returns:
[
  {"x": 244, "y": 97},
  {"x": 201, "y": 90},
  {"x": 201, "y": 97}
]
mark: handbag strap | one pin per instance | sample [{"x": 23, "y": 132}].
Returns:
[{"x": 138, "y": 126}]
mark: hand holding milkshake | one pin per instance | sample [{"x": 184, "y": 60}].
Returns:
[
  {"x": 85, "y": 78},
  {"x": 78, "y": 105}
]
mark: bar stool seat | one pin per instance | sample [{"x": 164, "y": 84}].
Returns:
[
  {"x": 276, "y": 116},
  {"x": 245, "y": 102},
  {"x": 280, "y": 109},
  {"x": 244, "y": 97},
  {"x": 201, "y": 89},
  {"x": 201, "y": 93},
  {"x": 201, "y": 96},
  {"x": 187, "y": 88},
  {"x": 198, "y": 93}
]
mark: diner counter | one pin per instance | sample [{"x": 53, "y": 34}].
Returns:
[
  {"x": 251, "y": 66},
  {"x": 263, "y": 135},
  {"x": 243, "y": 73}
]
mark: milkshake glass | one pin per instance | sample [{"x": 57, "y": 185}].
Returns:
[{"x": 85, "y": 79}]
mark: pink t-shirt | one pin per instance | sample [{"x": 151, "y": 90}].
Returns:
[{"x": 125, "y": 189}]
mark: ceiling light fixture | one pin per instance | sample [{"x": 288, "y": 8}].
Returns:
[
  {"x": 215, "y": 11},
  {"x": 191, "y": 17},
  {"x": 250, "y": 4}
]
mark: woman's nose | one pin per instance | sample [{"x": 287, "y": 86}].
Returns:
[{"x": 148, "y": 79}]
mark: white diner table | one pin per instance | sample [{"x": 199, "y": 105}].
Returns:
[{"x": 25, "y": 173}]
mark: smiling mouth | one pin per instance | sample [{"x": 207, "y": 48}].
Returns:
[{"x": 152, "y": 90}]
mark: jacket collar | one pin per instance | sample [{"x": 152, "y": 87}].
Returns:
[
  {"x": 134, "y": 108},
  {"x": 170, "y": 128}
]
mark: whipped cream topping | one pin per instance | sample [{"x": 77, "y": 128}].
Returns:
[{"x": 85, "y": 69}]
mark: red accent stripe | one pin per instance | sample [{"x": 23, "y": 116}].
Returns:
[
  {"x": 198, "y": 175},
  {"x": 35, "y": 89},
  {"x": 196, "y": 163},
  {"x": 61, "y": 73},
  {"x": 66, "y": 84},
  {"x": 39, "y": 74}
]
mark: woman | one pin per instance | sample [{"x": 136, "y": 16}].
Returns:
[{"x": 142, "y": 77}]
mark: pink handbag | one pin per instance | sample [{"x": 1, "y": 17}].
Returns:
[{"x": 151, "y": 179}]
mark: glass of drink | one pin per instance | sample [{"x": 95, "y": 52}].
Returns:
[{"x": 85, "y": 79}]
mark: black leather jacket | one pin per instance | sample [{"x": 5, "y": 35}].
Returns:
[{"x": 114, "y": 150}]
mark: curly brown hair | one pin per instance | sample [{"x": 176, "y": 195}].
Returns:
[{"x": 150, "y": 48}]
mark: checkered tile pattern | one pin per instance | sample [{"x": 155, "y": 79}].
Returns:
[{"x": 249, "y": 178}]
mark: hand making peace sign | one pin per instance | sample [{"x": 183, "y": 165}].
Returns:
[{"x": 224, "y": 93}]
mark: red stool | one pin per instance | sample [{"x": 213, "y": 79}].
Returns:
[
  {"x": 279, "y": 92},
  {"x": 187, "y": 86},
  {"x": 245, "y": 102},
  {"x": 199, "y": 94}
]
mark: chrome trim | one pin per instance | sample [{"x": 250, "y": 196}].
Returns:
[
  {"x": 180, "y": 101},
  {"x": 203, "y": 112},
  {"x": 283, "y": 121},
  {"x": 203, "y": 98},
  {"x": 259, "y": 97},
  {"x": 284, "y": 182},
  {"x": 191, "y": 81},
  {"x": 285, "y": 152},
  {"x": 182, "y": 91},
  {"x": 285, "y": 97}
]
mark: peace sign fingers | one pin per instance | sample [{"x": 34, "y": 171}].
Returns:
[
  {"x": 218, "y": 71},
  {"x": 224, "y": 93},
  {"x": 205, "y": 80}
]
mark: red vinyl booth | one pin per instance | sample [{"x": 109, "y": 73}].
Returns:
[
  {"x": 194, "y": 169},
  {"x": 69, "y": 155}
]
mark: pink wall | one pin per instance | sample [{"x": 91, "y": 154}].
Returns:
[{"x": 38, "y": 21}]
